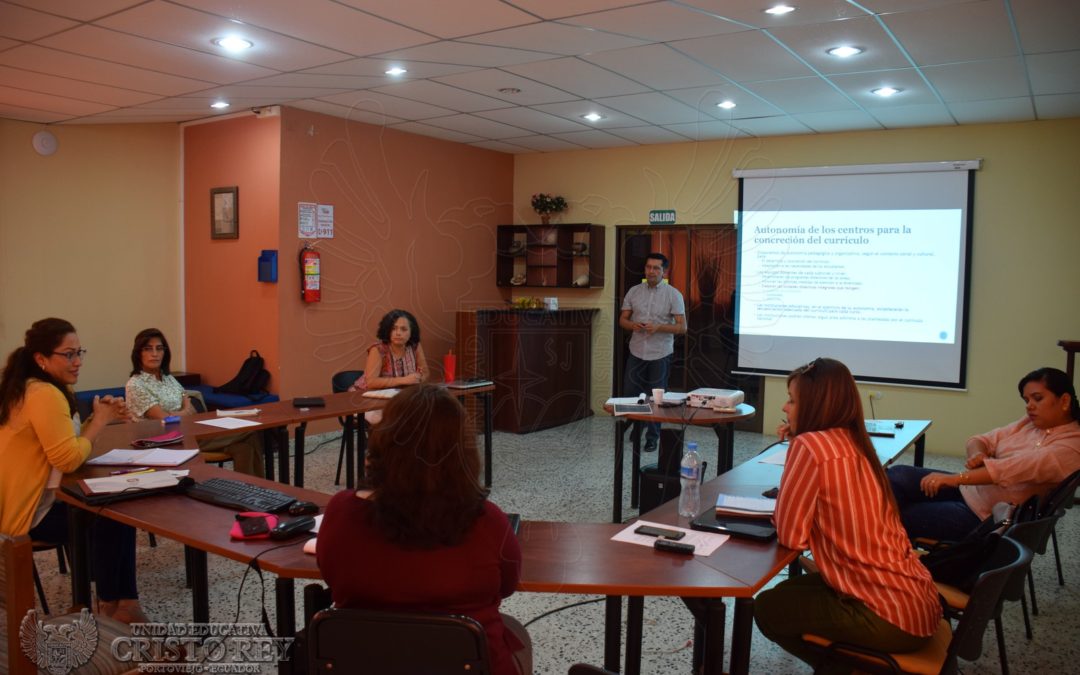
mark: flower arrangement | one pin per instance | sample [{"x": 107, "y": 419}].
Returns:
[{"x": 547, "y": 204}]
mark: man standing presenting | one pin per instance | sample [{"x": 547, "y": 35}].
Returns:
[{"x": 654, "y": 313}]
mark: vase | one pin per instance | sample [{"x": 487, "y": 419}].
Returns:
[{"x": 545, "y": 219}]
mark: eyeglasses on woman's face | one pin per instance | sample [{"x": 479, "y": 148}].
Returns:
[
  {"x": 154, "y": 348},
  {"x": 72, "y": 354}
]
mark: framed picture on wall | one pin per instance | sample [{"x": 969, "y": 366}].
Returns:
[{"x": 225, "y": 213}]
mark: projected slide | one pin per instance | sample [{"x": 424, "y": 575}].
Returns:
[{"x": 888, "y": 275}]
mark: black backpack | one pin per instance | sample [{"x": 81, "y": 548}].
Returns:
[{"x": 250, "y": 381}]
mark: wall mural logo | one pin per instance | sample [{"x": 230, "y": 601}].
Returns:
[{"x": 59, "y": 648}]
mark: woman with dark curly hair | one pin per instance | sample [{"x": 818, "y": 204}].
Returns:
[
  {"x": 425, "y": 538},
  {"x": 397, "y": 359}
]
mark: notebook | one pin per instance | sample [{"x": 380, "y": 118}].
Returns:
[{"x": 156, "y": 457}]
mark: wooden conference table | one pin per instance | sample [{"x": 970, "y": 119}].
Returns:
[
  {"x": 577, "y": 558},
  {"x": 276, "y": 417},
  {"x": 683, "y": 415}
]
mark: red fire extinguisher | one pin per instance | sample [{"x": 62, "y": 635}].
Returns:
[{"x": 309, "y": 275}]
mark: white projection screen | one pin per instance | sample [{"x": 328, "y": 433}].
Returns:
[{"x": 866, "y": 264}]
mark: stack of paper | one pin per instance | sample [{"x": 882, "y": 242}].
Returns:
[
  {"x": 381, "y": 393},
  {"x": 755, "y": 507},
  {"x": 122, "y": 457}
]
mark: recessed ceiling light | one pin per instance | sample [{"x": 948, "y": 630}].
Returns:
[
  {"x": 886, "y": 92},
  {"x": 593, "y": 117},
  {"x": 726, "y": 105},
  {"x": 845, "y": 51},
  {"x": 219, "y": 105},
  {"x": 780, "y": 10},
  {"x": 396, "y": 70},
  {"x": 510, "y": 91},
  {"x": 233, "y": 43}
]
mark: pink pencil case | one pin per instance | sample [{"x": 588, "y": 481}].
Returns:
[{"x": 158, "y": 441}]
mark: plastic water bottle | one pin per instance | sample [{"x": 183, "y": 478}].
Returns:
[{"x": 690, "y": 480}]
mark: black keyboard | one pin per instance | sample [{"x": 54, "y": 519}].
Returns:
[{"x": 235, "y": 494}]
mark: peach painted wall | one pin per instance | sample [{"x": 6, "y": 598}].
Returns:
[
  {"x": 415, "y": 229},
  {"x": 91, "y": 234},
  {"x": 228, "y": 311}
]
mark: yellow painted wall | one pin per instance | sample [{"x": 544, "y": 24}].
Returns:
[
  {"x": 91, "y": 234},
  {"x": 1025, "y": 244}
]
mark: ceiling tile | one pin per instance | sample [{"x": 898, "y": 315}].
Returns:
[
  {"x": 80, "y": 10},
  {"x": 657, "y": 66},
  {"x": 990, "y": 112},
  {"x": 859, "y": 85},
  {"x": 979, "y": 80},
  {"x": 533, "y": 120},
  {"x": 1057, "y": 106},
  {"x": 122, "y": 48},
  {"x": 21, "y": 23},
  {"x": 656, "y": 22},
  {"x": 578, "y": 77},
  {"x": 379, "y": 103},
  {"x": 1057, "y": 73},
  {"x": 443, "y": 95},
  {"x": 654, "y": 108},
  {"x": 59, "y": 104},
  {"x": 556, "y": 9},
  {"x": 706, "y": 131},
  {"x": 376, "y": 68},
  {"x": 195, "y": 30},
  {"x": 545, "y": 143},
  {"x": 500, "y": 146},
  {"x": 648, "y": 135},
  {"x": 436, "y": 132},
  {"x": 244, "y": 96},
  {"x": 317, "y": 22},
  {"x": 478, "y": 126},
  {"x": 838, "y": 120},
  {"x": 466, "y": 54},
  {"x": 706, "y": 98},
  {"x": 555, "y": 37},
  {"x": 134, "y": 118},
  {"x": 20, "y": 113},
  {"x": 770, "y": 126},
  {"x": 447, "y": 19},
  {"x": 924, "y": 115},
  {"x": 1047, "y": 25},
  {"x": 811, "y": 42},
  {"x": 62, "y": 86},
  {"x": 39, "y": 59},
  {"x": 312, "y": 79},
  {"x": 744, "y": 57},
  {"x": 489, "y": 81},
  {"x": 931, "y": 36},
  {"x": 345, "y": 112},
  {"x": 573, "y": 110},
  {"x": 752, "y": 12},
  {"x": 802, "y": 95},
  {"x": 595, "y": 138}
]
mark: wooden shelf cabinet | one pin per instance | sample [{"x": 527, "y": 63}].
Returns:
[{"x": 553, "y": 256}]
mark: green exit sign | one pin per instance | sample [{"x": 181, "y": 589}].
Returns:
[{"x": 665, "y": 217}]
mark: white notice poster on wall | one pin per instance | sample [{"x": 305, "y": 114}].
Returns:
[
  {"x": 305, "y": 220},
  {"x": 325, "y": 224}
]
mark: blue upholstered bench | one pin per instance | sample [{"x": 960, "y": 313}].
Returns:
[{"x": 85, "y": 399}]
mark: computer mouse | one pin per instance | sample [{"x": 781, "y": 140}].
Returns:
[{"x": 303, "y": 508}]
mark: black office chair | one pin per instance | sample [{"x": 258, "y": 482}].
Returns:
[
  {"x": 360, "y": 641},
  {"x": 1055, "y": 502},
  {"x": 940, "y": 655},
  {"x": 339, "y": 383}
]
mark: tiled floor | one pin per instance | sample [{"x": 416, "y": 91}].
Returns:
[{"x": 565, "y": 474}]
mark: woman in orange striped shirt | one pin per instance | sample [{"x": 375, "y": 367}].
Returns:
[{"x": 835, "y": 500}]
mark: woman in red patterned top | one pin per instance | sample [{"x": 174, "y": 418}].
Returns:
[{"x": 835, "y": 500}]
